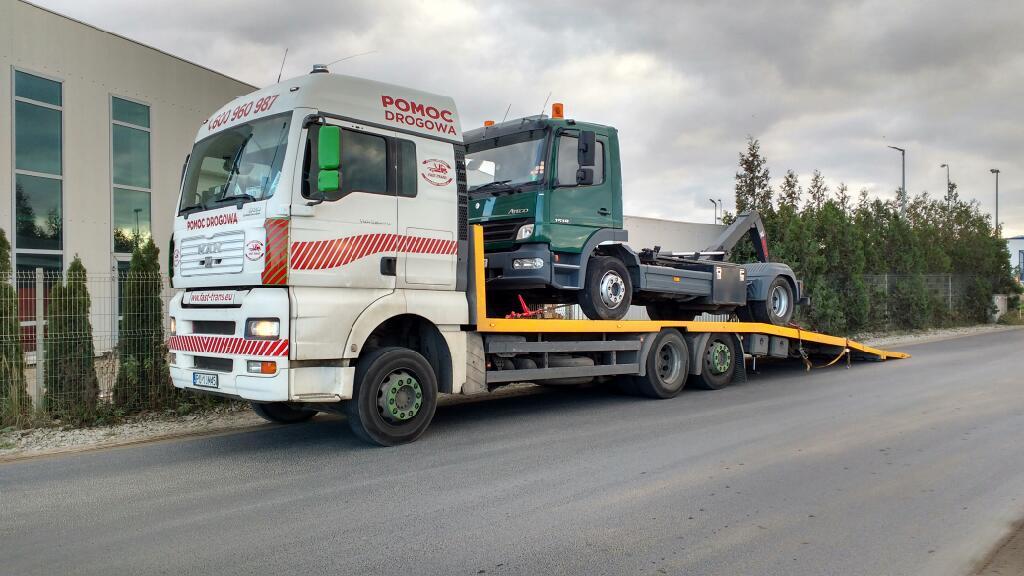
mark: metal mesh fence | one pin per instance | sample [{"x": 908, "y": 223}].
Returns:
[{"x": 90, "y": 345}]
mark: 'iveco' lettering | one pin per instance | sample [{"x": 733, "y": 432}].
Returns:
[{"x": 212, "y": 221}]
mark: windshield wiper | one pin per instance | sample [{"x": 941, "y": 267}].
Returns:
[
  {"x": 496, "y": 184},
  {"x": 186, "y": 210},
  {"x": 241, "y": 198}
]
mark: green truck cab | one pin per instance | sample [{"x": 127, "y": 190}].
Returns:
[{"x": 548, "y": 193}]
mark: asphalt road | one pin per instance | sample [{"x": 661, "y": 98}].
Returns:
[{"x": 906, "y": 467}]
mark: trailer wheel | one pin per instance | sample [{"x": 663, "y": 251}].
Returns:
[
  {"x": 668, "y": 365},
  {"x": 394, "y": 398},
  {"x": 778, "y": 308},
  {"x": 607, "y": 291},
  {"x": 670, "y": 311},
  {"x": 281, "y": 412},
  {"x": 718, "y": 362}
]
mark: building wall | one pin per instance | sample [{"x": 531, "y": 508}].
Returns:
[
  {"x": 94, "y": 66},
  {"x": 1016, "y": 248}
]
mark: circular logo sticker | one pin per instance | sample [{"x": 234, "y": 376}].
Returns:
[
  {"x": 254, "y": 250},
  {"x": 436, "y": 172}
]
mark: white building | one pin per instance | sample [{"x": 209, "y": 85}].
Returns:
[
  {"x": 99, "y": 128},
  {"x": 1015, "y": 246}
]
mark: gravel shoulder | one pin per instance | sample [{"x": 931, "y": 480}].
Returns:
[{"x": 21, "y": 444}]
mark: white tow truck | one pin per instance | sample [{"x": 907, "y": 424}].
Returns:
[{"x": 323, "y": 262}]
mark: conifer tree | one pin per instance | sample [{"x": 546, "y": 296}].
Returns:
[
  {"x": 15, "y": 404},
  {"x": 72, "y": 389},
  {"x": 143, "y": 377}
]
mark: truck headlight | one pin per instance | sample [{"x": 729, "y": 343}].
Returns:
[
  {"x": 527, "y": 263},
  {"x": 262, "y": 328},
  {"x": 525, "y": 231}
]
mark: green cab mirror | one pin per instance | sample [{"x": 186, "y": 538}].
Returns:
[{"x": 328, "y": 150}]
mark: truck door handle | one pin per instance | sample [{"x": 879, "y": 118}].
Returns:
[
  {"x": 603, "y": 211},
  {"x": 388, "y": 266}
]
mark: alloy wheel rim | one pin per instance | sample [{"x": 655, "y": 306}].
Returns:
[{"x": 613, "y": 290}]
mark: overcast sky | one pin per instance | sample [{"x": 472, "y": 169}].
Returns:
[{"x": 823, "y": 85}]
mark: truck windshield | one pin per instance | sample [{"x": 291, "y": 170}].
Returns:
[
  {"x": 513, "y": 160},
  {"x": 240, "y": 164}
]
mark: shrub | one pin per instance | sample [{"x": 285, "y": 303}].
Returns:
[
  {"x": 15, "y": 403},
  {"x": 72, "y": 388}
]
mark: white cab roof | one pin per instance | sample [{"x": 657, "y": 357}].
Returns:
[{"x": 357, "y": 99}]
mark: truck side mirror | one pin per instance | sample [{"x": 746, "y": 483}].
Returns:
[
  {"x": 584, "y": 176},
  {"x": 328, "y": 151},
  {"x": 587, "y": 148}
]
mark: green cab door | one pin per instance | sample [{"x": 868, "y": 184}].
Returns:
[{"x": 582, "y": 208}]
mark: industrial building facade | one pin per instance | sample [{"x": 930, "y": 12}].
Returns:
[{"x": 96, "y": 128}]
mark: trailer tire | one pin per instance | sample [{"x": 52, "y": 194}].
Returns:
[
  {"x": 718, "y": 362},
  {"x": 670, "y": 311},
  {"x": 668, "y": 365},
  {"x": 608, "y": 289},
  {"x": 394, "y": 397},
  {"x": 778, "y": 308},
  {"x": 281, "y": 412}
]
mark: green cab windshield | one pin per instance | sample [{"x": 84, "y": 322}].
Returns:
[
  {"x": 240, "y": 164},
  {"x": 515, "y": 159}
]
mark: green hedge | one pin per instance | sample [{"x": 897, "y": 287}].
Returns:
[{"x": 833, "y": 240}]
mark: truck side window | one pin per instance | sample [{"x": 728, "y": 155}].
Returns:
[
  {"x": 568, "y": 161},
  {"x": 407, "y": 182},
  {"x": 364, "y": 163}
]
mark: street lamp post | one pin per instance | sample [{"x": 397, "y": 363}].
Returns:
[
  {"x": 948, "y": 196},
  {"x": 715, "y": 204},
  {"x": 996, "y": 172},
  {"x": 903, "y": 178}
]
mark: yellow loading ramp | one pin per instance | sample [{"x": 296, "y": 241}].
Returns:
[{"x": 535, "y": 325}]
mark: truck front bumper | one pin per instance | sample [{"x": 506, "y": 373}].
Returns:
[
  {"x": 502, "y": 273},
  {"x": 210, "y": 342}
]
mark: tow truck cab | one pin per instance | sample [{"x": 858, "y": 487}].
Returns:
[{"x": 291, "y": 192}]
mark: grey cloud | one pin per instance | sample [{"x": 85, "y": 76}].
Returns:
[{"x": 823, "y": 84}]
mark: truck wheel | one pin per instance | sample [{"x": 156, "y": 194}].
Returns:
[
  {"x": 281, "y": 412},
  {"x": 670, "y": 311},
  {"x": 668, "y": 365},
  {"x": 719, "y": 362},
  {"x": 608, "y": 290},
  {"x": 394, "y": 398},
  {"x": 778, "y": 308}
]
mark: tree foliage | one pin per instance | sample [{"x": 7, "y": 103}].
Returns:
[
  {"x": 143, "y": 378},
  {"x": 834, "y": 242},
  {"x": 15, "y": 403},
  {"x": 72, "y": 389}
]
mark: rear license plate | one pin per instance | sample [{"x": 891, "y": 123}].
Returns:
[{"x": 205, "y": 380}]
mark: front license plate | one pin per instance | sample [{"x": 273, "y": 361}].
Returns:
[{"x": 205, "y": 380}]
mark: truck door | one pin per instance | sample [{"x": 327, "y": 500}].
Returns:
[
  {"x": 352, "y": 241},
  {"x": 591, "y": 206},
  {"x": 427, "y": 213}
]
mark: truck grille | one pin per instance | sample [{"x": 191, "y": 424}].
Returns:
[
  {"x": 503, "y": 230},
  {"x": 214, "y": 364},
  {"x": 223, "y": 253},
  {"x": 222, "y": 327}
]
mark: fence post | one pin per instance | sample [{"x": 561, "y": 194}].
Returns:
[
  {"x": 37, "y": 396},
  {"x": 949, "y": 290}
]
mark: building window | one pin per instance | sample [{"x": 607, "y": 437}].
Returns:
[
  {"x": 38, "y": 173},
  {"x": 130, "y": 173}
]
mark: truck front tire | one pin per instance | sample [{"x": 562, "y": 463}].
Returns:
[
  {"x": 281, "y": 412},
  {"x": 607, "y": 291},
  {"x": 394, "y": 397}
]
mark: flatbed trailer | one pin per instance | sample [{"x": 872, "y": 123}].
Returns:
[{"x": 622, "y": 347}]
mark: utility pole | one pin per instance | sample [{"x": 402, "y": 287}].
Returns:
[
  {"x": 903, "y": 179},
  {"x": 996, "y": 172}
]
